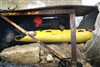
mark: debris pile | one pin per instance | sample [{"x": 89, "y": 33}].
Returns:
[{"x": 35, "y": 53}]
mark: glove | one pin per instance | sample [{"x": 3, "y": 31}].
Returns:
[
  {"x": 32, "y": 33},
  {"x": 61, "y": 27}
]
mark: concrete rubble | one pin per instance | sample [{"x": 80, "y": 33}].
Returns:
[
  {"x": 49, "y": 58},
  {"x": 21, "y": 54},
  {"x": 35, "y": 53}
]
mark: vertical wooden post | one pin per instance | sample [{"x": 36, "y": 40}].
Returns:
[{"x": 73, "y": 37}]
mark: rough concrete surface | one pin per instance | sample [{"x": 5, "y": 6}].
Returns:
[
  {"x": 27, "y": 53},
  {"x": 21, "y": 54}
]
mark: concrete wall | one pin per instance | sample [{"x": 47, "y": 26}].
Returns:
[{"x": 23, "y": 4}]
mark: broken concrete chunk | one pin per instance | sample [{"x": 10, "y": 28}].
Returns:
[
  {"x": 41, "y": 53},
  {"x": 49, "y": 58},
  {"x": 43, "y": 59},
  {"x": 25, "y": 54},
  {"x": 87, "y": 65}
]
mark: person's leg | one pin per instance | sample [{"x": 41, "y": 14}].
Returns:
[{"x": 7, "y": 39}]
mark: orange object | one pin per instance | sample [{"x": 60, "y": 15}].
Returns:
[{"x": 38, "y": 20}]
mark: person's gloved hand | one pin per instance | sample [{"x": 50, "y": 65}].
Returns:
[
  {"x": 61, "y": 27},
  {"x": 32, "y": 33}
]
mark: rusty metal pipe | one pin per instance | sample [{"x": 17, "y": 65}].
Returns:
[
  {"x": 25, "y": 32},
  {"x": 38, "y": 12}
]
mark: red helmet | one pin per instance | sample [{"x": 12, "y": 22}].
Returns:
[{"x": 38, "y": 20}]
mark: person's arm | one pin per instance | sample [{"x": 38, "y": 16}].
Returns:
[{"x": 43, "y": 26}]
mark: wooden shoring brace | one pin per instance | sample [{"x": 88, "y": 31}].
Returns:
[
  {"x": 30, "y": 35},
  {"x": 73, "y": 38}
]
